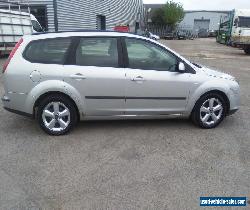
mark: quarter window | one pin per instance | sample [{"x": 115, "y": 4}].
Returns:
[
  {"x": 48, "y": 51},
  {"x": 144, "y": 55},
  {"x": 97, "y": 52}
]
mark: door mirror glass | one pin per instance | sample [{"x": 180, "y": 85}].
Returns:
[{"x": 181, "y": 67}]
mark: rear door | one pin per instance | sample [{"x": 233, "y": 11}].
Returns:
[{"x": 94, "y": 68}]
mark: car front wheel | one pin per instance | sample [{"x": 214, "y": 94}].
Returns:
[
  {"x": 57, "y": 115},
  {"x": 209, "y": 111}
]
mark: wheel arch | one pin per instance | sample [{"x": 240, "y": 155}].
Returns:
[
  {"x": 53, "y": 87},
  {"x": 44, "y": 95},
  {"x": 215, "y": 91}
]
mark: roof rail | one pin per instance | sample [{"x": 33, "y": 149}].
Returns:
[{"x": 81, "y": 30}]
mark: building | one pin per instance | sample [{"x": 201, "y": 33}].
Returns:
[
  {"x": 203, "y": 20},
  {"x": 194, "y": 20},
  {"x": 62, "y": 15}
]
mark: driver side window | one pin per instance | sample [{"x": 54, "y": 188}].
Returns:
[{"x": 147, "y": 56}]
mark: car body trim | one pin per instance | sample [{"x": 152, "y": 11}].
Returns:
[{"x": 128, "y": 97}]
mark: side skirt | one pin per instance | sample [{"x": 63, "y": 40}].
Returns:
[{"x": 133, "y": 117}]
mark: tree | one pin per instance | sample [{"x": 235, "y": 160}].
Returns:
[
  {"x": 158, "y": 17},
  {"x": 170, "y": 14}
]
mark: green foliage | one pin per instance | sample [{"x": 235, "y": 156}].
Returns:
[
  {"x": 158, "y": 17},
  {"x": 170, "y": 14}
]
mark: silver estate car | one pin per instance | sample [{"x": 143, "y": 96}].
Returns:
[{"x": 61, "y": 78}]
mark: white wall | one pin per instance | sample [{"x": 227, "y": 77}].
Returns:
[
  {"x": 214, "y": 18},
  {"x": 81, "y": 14}
]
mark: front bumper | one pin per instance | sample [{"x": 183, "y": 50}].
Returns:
[
  {"x": 234, "y": 98},
  {"x": 232, "y": 111}
]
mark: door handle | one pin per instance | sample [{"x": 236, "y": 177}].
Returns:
[
  {"x": 138, "y": 79},
  {"x": 77, "y": 76}
]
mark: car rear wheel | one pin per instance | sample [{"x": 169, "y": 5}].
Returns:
[
  {"x": 209, "y": 111},
  {"x": 247, "y": 50},
  {"x": 57, "y": 115}
]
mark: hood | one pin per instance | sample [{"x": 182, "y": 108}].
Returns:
[{"x": 217, "y": 74}]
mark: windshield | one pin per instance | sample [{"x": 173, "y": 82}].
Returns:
[
  {"x": 244, "y": 22},
  {"x": 36, "y": 26}
]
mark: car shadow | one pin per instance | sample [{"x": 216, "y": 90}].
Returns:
[{"x": 154, "y": 123}]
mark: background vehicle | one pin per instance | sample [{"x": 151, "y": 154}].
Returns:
[
  {"x": 153, "y": 36},
  {"x": 150, "y": 35},
  {"x": 71, "y": 76},
  {"x": 236, "y": 29},
  {"x": 181, "y": 34},
  {"x": 14, "y": 23},
  {"x": 212, "y": 33},
  {"x": 169, "y": 36},
  {"x": 241, "y": 29}
]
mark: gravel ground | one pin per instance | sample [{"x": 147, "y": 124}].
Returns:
[{"x": 157, "y": 164}]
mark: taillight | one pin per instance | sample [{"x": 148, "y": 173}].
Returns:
[{"x": 12, "y": 54}]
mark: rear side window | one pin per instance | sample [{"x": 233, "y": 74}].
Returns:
[
  {"x": 50, "y": 51},
  {"x": 97, "y": 51}
]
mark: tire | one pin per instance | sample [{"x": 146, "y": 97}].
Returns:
[
  {"x": 204, "y": 115},
  {"x": 57, "y": 115},
  {"x": 247, "y": 50}
]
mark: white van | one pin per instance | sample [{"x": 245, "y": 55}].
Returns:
[{"x": 13, "y": 25}]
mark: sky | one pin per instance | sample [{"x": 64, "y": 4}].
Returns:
[{"x": 208, "y": 4}]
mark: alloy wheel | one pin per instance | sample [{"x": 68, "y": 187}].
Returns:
[
  {"x": 56, "y": 116},
  {"x": 211, "y": 111}
]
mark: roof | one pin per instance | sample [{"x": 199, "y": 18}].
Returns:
[
  {"x": 46, "y": 35},
  {"x": 156, "y": 6},
  {"x": 213, "y": 11}
]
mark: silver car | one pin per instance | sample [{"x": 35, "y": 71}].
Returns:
[{"x": 61, "y": 78}]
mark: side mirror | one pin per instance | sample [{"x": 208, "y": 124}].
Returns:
[
  {"x": 236, "y": 21},
  {"x": 181, "y": 67}
]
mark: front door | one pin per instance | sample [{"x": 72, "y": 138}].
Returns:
[
  {"x": 97, "y": 76},
  {"x": 153, "y": 86}
]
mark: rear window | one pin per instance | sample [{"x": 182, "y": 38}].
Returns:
[
  {"x": 97, "y": 51},
  {"x": 50, "y": 51}
]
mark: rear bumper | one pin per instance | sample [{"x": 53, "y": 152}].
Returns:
[
  {"x": 19, "y": 112},
  {"x": 14, "y": 106},
  {"x": 5, "y": 99}
]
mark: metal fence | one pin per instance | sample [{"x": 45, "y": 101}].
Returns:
[{"x": 159, "y": 30}]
